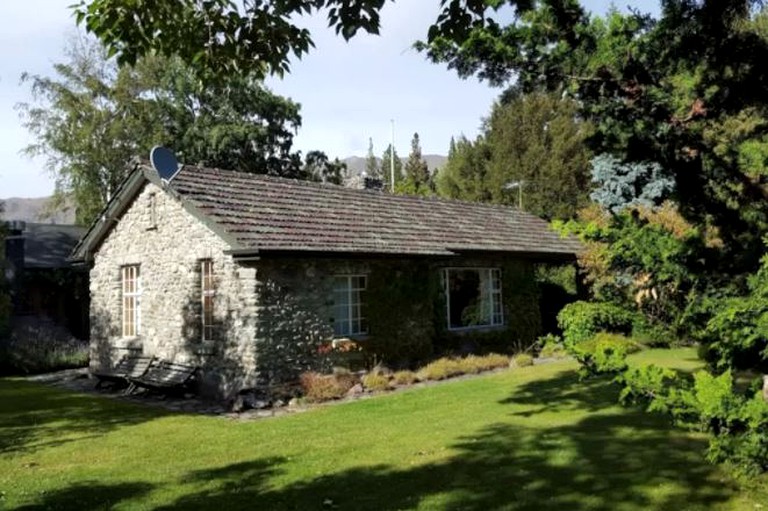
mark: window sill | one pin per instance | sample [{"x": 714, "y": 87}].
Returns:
[
  {"x": 129, "y": 343},
  {"x": 350, "y": 338},
  {"x": 206, "y": 348},
  {"x": 479, "y": 328}
]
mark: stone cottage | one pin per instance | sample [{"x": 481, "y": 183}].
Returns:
[{"x": 245, "y": 274}]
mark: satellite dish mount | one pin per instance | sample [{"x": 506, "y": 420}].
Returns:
[{"x": 164, "y": 162}]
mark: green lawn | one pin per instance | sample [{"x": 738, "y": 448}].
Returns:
[{"x": 532, "y": 438}]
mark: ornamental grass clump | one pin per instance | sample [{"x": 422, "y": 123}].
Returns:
[
  {"x": 441, "y": 369},
  {"x": 325, "y": 387},
  {"x": 404, "y": 378},
  {"x": 474, "y": 364},
  {"x": 521, "y": 360},
  {"x": 375, "y": 381}
]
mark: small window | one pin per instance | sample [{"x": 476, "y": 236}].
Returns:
[
  {"x": 207, "y": 295},
  {"x": 152, "y": 211},
  {"x": 349, "y": 306},
  {"x": 131, "y": 295},
  {"x": 473, "y": 297}
]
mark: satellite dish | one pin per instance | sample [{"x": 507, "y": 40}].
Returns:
[{"x": 164, "y": 162}]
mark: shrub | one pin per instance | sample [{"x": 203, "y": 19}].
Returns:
[
  {"x": 375, "y": 381},
  {"x": 653, "y": 335},
  {"x": 603, "y": 340},
  {"x": 737, "y": 423},
  {"x": 553, "y": 351},
  {"x": 581, "y": 320},
  {"x": 522, "y": 360},
  {"x": 441, "y": 369},
  {"x": 603, "y": 353},
  {"x": 404, "y": 378},
  {"x": 325, "y": 387},
  {"x": 40, "y": 348},
  {"x": 551, "y": 346}
]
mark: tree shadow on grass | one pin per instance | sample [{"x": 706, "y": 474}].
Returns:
[
  {"x": 34, "y": 416},
  {"x": 611, "y": 459},
  {"x": 89, "y": 496},
  {"x": 606, "y": 459},
  {"x": 563, "y": 393}
]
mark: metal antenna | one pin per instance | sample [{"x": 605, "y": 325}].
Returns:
[{"x": 392, "y": 158}]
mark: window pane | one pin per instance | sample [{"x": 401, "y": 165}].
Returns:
[
  {"x": 348, "y": 300},
  {"x": 131, "y": 290},
  {"x": 341, "y": 284},
  {"x": 464, "y": 298}
]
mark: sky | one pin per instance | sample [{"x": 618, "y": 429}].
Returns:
[{"x": 348, "y": 91}]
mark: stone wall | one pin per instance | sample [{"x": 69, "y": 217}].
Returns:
[
  {"x": 273, "y": 313},
  {"x": 295, "y": 312},
  {"x": 405, "y": 310},
  {"x": 169, "y": 255}
]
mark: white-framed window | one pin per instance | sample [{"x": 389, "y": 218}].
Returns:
[
  {"x": 349, "y": 305},
  {"x": 207, "y": 297},
  {"x": 152, "y": 211},
  {"x": 473, "y": 297},
  {"x": 130, "y": 279}
]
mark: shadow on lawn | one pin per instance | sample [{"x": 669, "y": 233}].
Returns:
[
  {"x": 611, "y": 459},
  {"x": 608, "y": 460},
  {"x": 33, "y": 416},
  {"x": 89, "y": 496}
]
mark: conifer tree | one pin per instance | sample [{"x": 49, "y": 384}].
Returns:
[
  {"x": 372, "y": 168},
  {"x": 386, "y": 171},
  {"x": 417, "y": 177}
]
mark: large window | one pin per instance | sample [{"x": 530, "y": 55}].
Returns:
[
  {"x": 207, "y": 295},
  {"x": 473, "y": 297},
  {"x": 349, "y": 306},
  {"x": 131, "y": 292}
]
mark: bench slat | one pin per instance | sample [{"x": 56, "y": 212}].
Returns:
[{"x": 165, "y": 375}]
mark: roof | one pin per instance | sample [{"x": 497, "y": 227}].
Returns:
[
  {"x": 268, "y": 213},
  {"x": 261, "y": 214},
  {"x": 49, "y": 245}
]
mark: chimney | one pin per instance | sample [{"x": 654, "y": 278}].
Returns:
[
  {"x": 14, "y": 248},
  {"x": 372, "y": 183}
]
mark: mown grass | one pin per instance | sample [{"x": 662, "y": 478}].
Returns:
[{"x": 527, "y": 438}]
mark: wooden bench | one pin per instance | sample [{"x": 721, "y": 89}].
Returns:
[
  {"x": 164, "y": 376},
  {"x": 129, "y": 366}
]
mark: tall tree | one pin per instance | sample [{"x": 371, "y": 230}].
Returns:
[
  {"x": 92, "y": 118},
  {"x": 89, "y": 125},
  {"x": 417, "y": 177},
  {"x": 318, "y": 167},
  {"x": 657, "y": 91},
  {"x": 538, "y": 141},
  {"x": 464, "y": 174},
  {"x": 221, "y": 38},
  {"x": 386, "y": 167},
  {"x": 372, "y": 168}
]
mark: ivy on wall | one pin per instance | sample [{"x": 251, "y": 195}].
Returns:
[
  {"x": 406, "y": 307},
  {"x": 401, "y": 310}
]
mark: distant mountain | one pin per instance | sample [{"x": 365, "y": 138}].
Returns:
[
  {"x": 35, "y": 210},
  {"x": 356, "y": 164}
]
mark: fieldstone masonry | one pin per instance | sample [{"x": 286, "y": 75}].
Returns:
[
  {"x": 270, "y": 314},
  {"x": 169, "y": 256}
]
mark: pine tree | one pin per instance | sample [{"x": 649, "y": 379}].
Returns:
[
  {"x": 386, "y": 171},
  {"x": 417, "y": 177},
  {"x": 372, "y": 168}
]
